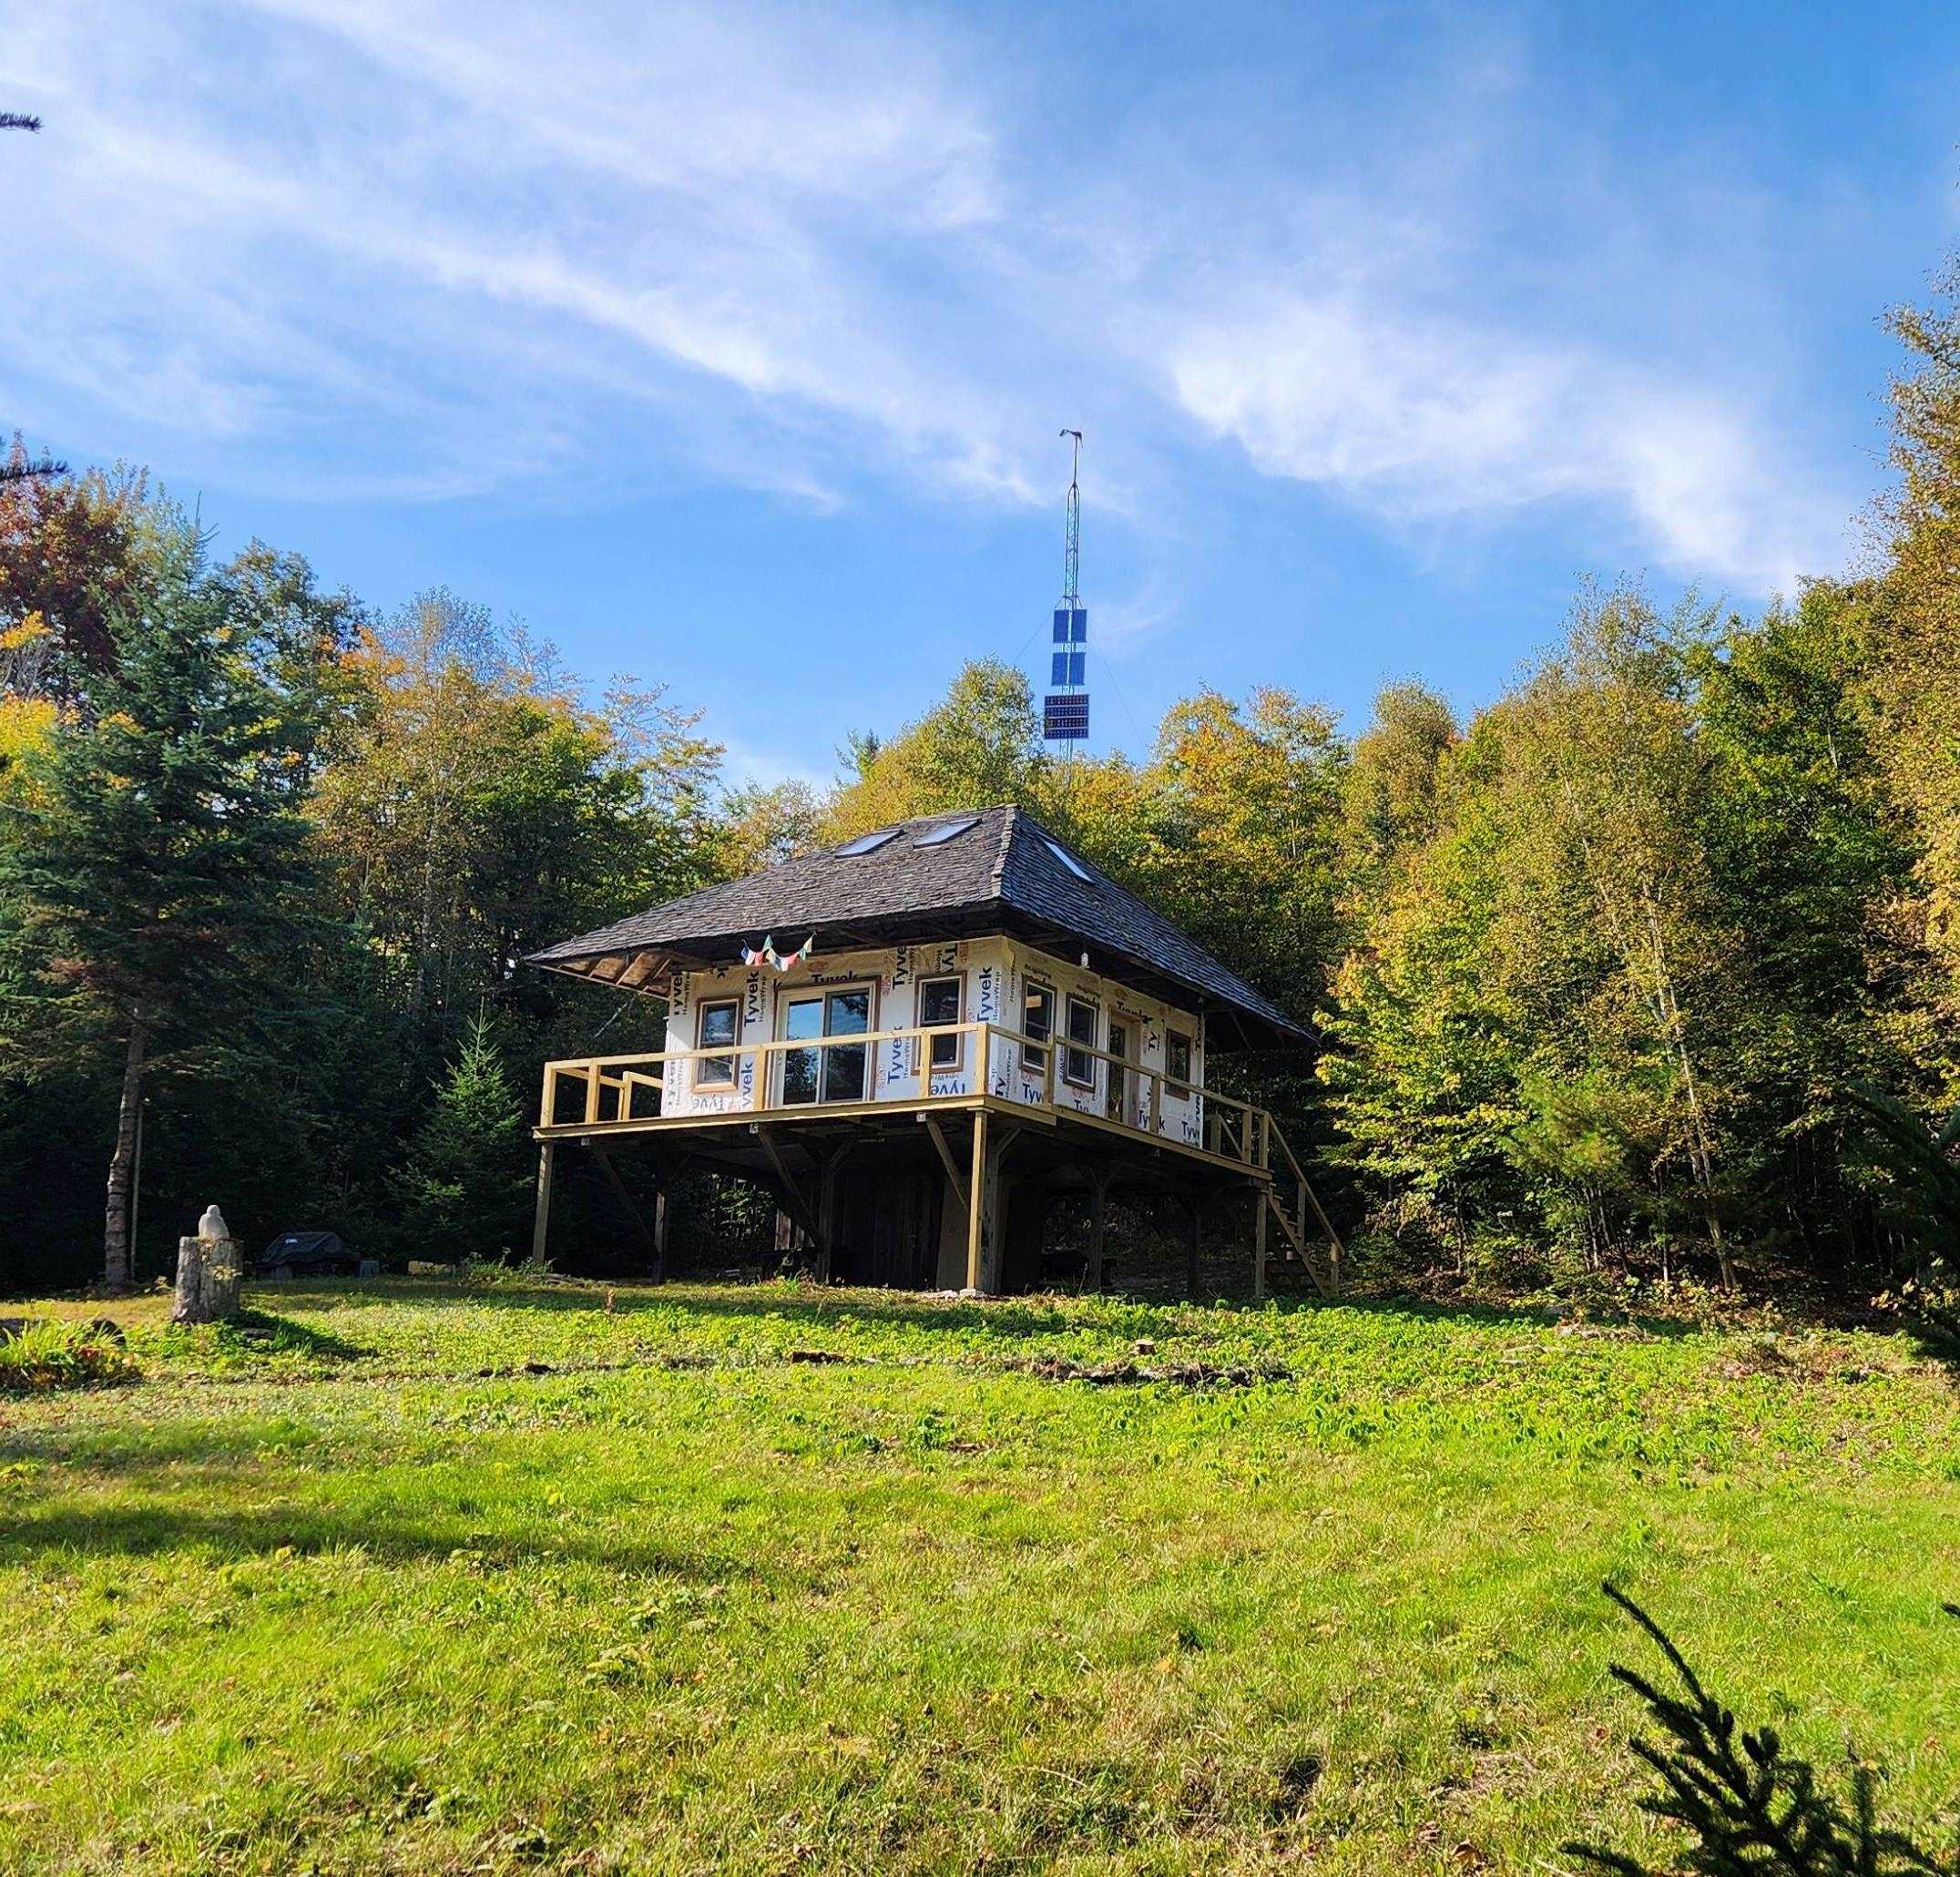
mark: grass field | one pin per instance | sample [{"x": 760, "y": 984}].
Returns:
[{"x": 442, "y": 1579}]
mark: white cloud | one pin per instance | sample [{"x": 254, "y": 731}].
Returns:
[
  {"x": 1446, "y": 419},
  {"x": 357, "y": 246}
]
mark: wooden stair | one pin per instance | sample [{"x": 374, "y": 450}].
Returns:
[{"x": 1290, "y": 1200}]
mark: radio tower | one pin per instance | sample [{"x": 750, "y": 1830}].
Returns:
[{"x": 1065, "y": 711}]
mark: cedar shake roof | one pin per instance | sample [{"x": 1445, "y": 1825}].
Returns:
[{"x": 1003, "y": 874}]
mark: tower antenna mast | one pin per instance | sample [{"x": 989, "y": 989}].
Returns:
[
  {"x": 1064, "y": 709},
  {"x": 1072, "y": 545}
]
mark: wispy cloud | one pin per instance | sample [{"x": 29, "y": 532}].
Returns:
[
  {"x": 350, "y": 246},
  {"x": 1448, "y": 419}
]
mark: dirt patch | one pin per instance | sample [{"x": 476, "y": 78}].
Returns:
[{"x": 1135, "y": 1374}]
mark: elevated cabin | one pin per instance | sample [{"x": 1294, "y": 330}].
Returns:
[{"x": 919, "y": 1041}]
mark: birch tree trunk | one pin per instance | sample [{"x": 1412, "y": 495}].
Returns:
[{"x": 116, "y": 1266}]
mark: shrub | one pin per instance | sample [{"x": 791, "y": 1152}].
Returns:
[{"x": 52, "y": 1355}]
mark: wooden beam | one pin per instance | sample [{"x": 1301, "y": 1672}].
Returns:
[
  {"x": 1099, "y": 1227},
  {"x": 1337, "y": 1251},
  {"x": 827, "y": 1206},
  {"x": 792, "y": 1197},
  {"x": 975, "y": 1197},
  {"x": 649, "y": 1240},
  {"x": 541, "y": 1217},
  {"x": 1191, "y": 1256},
  {"x": 1261, "y": 1198},
  {"x": 954, "y": 1176},
  {"x": 639, "y": 970}
]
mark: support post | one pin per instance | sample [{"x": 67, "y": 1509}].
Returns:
[
  {"x": 650, "y": 1243},
  {"x": 1191, "y": 1256},
  {"x": 541, "y": 1219},
  {"x": 954, "y": 1177},
  {"x": 1258, "y": 1243},
  {"x": 790, "y": 1197},
  {"x": 976, "y": 1202},
  {"x": 1099, "y": 1227},
  {"x": 827, "y": 1210}
]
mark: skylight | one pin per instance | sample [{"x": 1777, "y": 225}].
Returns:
[
  {"x": 1067, "y": 860},
  {"x": 944, "y": 832},
  {"x": 864, "y": 843}
]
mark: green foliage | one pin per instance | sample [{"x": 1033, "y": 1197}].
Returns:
[
  {"x": 51, "y": 1354},
  {"x": 1595, "y": 972},
  {"x": 467, "y": 1181},
  {"x": 1749, "y": 1807}
]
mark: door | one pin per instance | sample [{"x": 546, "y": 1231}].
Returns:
[
  {"x": 1123, "y": 1044},
  {"x": 840, "y": 1072}
]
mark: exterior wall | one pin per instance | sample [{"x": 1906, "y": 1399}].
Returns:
[
  {"x": 1150, "y": 1019},
  {"x": 996, "y": 974},
  {"x": 893, "y": 974}
]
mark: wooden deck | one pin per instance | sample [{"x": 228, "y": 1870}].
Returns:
[
  {"x": 1122, "y": 1121},
  {"x": 614, "y": 1095}
]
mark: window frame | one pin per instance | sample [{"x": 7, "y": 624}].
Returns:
[
  {"x": 1180, "y": 1086},
  {"x": 1074, "y": 1046},
  {"x": 822, "y": 994},
  {"x": 1034, "y": 1052},
  {"x": 933, "y": 1065},
  {"x": 705, "y": 1080}
]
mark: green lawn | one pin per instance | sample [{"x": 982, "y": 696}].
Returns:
[{"x": 442, "y": 1579}]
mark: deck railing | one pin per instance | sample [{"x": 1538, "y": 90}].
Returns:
[{"x": 1135, "y": 1098}]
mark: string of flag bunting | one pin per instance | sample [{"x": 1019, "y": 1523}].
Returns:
[{"x": 767, "y": 954}]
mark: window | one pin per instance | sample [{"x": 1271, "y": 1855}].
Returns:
[
  {"x": 1078, "y": 1066},
  {"x": 944, "y": 832},
  {"x": 720, "y": 1023},
  {"x": 865, "y": 843},
  {"x": 1038, "y": 1025},
  {"x": 825, "y": 1071},
  {"x": 1178, "y": 1063},
  {"x": 939, "y": 1008},
  {"x": 1068, "y": 860}
]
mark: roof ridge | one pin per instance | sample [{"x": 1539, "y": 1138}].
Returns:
[{"x": 997, "y": 875}]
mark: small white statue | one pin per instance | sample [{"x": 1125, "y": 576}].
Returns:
[{"x": 212, "y": 1225}]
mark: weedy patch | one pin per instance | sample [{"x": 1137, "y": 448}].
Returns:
[
  {"x": 443, "y": 1576},
  {"x": 37, "y": 1355}
]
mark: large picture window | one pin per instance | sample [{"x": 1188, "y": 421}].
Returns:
[
  {"x": 720, "y": 1023},
  {"x": 1078, "y": 1066},
  {"x": 1038, "y": 1025},
  {"x": 939, "y": 1008}
]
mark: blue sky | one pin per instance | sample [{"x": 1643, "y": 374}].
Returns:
[{"x": 728, "y": 345}]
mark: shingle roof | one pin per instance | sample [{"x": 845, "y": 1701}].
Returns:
[{"x": 1004, "y": 874}]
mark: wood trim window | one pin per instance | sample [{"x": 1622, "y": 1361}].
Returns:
[
  {"x": 1078, "y": 1066},
  {"x": 942, "y": 1005},
  {"x": 1038, "y": 1025},
  {"x": 1177, "y": 1064},
  {"x": 718, "y": 1020}
]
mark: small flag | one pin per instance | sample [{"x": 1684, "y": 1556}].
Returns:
[{"x": 767, "y": 954}]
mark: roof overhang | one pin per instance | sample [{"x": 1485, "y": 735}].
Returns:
[{"x": 645, "y": 968}]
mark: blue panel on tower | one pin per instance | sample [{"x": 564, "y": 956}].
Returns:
[
  {"x": 1068, "y": 667},
  {"x": 1071, "y": 625},
  {"x": 1064, "y": 718}
]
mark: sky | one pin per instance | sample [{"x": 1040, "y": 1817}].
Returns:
[{"x": 728, "y": 345}]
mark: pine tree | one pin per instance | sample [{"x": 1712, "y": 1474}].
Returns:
[
  {"x": 147, "y": 891},
  {"x": 1749, "y": 1808},
  {"x": 464, "y": 1188}
]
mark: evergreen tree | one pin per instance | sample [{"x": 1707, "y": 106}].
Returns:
[
  {"x": 1749, "y": 1808},
  {"x": 464, "y": 1186},
  {"x": 150, "y": 894}
]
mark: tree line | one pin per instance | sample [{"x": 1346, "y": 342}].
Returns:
[{"x": 1606, "y": 980}]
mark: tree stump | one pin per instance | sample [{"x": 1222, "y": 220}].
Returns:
[{"x": 208, "y": 1272}]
